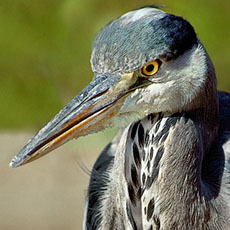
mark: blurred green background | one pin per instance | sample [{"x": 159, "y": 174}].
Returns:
[{"x": 46, "y": 44}]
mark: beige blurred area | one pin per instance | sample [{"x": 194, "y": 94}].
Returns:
[{"x": 48, "y": 193}]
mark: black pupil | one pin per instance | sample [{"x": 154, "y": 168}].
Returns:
[{"x": 150, "y": 68}]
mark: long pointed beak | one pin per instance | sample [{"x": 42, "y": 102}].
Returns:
[{"x": 88, "y": 112}]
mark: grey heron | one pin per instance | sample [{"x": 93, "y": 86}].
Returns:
[{"x": 169, "y": 165}]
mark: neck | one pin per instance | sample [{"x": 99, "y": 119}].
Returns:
[
  {"x": 164, "y": 162},
  {"x": 183, "y": 182},
  {"x": 162, "y": 166},
  {"x": 173, "y": 167}
]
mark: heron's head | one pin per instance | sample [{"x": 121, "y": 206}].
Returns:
[{"x": 146, "y": 61}]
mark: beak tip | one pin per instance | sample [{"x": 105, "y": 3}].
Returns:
[
  {"x": 14, "y": 162},
  {"x": 11, "y": 165}
]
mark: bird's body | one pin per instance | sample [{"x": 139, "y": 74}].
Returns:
[
  {"x": 152, "y": 184},
  {"x": 170, "y": 167}
]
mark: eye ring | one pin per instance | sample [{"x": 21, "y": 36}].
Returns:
[{"x": 151, "y": 68}]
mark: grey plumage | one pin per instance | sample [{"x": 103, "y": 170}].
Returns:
[
  {"x": 185, "y": 205},
  {"x": 170, "y": 167}
]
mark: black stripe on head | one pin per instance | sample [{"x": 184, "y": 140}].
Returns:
[{"x": 175, "y": 34}]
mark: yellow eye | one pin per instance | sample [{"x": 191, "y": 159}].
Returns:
[{"x": 151, "y": 68}]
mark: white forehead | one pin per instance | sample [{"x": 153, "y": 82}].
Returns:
[{"x": 136, "y": 15}]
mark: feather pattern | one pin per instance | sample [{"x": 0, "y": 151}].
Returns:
[{"x": 155, "y": 176}]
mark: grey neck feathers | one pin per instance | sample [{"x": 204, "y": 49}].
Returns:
[
  {"x": 204, "y": 109},
  {"x": 169, "y": 167}
]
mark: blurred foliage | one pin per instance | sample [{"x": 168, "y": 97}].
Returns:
[{"x": 46, "y": 45}]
